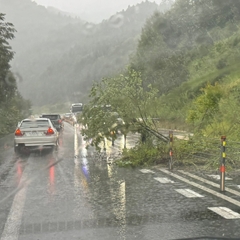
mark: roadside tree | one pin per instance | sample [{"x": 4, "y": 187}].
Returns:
[{"x": 135, "y": 108}]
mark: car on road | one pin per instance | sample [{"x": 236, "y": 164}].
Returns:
[
  {"x": 56, "y": 120},
  {"x": 68, "y": 117},
  {"x": 76, "y": 108},
  {"x": 74, "y": 119},
  {"x": 35, "y": 134}
]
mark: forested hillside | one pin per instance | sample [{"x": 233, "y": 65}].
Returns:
[
  {"x": 59, "y": 54},
  {"x": 184, "y": 75},
  {"x": 12, "y": 106},
  {"x": 169, "y": 42}
]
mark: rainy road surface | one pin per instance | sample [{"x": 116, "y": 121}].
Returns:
[{"x": 72, "y": 195}]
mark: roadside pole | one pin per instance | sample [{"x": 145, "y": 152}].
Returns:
[
  {"x": 171, "y": 150},
  {"x": 104, "y": 145},
  {"x": 113, "y": 137},
  {"x": 125, "y": 140},
  {"x": 222, "y": 164}
]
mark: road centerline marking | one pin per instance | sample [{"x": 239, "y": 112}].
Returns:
[
  {"x": 217, "y": 194},
  {"x": 209, "y": 182},
  {"x": 76, "y": 148}
]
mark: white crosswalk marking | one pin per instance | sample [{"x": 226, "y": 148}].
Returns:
[
  {"x": 225, "y": 212},
  {"x": 188, "y": 193},
  {"x": 164, "y": 180}
]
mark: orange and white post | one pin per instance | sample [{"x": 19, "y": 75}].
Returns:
[{"x": 222, "y": 165}]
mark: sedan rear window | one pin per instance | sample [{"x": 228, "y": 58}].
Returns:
[{"x": 33, "y": 124}]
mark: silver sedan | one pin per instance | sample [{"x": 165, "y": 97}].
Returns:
[{"x": 35, "y": 134}]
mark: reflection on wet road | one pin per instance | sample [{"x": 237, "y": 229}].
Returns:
[{"x": 67, "y": 195}]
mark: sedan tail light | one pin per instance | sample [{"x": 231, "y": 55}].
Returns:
[
  {"x": 50, "y": 131},
  {"x": 18, "y": 133},
  {"x": 59, "y": 121}
]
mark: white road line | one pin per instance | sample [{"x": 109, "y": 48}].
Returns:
[
  {"x": 76, "y": 149},
  {"x": 164, "y": 180},
  {"x": 210, "y": 183},
  {"x": 217, "y": 194},
  {"x": 146, "y": 171},
  {"x": 225, "y": 212},
  {"x": 14, "y": 220},
  {"x": 217, "y": 177},
  {"x": 188, "y": 193}
]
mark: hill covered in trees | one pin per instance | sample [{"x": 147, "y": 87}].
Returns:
[
  {"x": 183, "y": 75},
  {"x": 60, "y": 57},
  {"x": 12, "y": 106}
]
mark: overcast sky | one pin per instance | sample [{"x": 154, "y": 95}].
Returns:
[{"x": 91, "y": 10}]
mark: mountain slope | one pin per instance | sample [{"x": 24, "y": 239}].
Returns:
[
  {"x": 199, "y": 39},
  {"x": 170, "y": 42},
  {"x": 60, "y": 57}
]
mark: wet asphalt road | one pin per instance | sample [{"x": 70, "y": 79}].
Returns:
[{"x": 70, "y": 194}]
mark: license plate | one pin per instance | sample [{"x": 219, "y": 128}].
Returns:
[{"x": 34, "y": 134}]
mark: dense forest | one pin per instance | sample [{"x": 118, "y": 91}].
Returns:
[
  {"x": 184, "y": 75},
  {"x": 12, "y": 106},
  {"x": 66, "y": 55}
]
